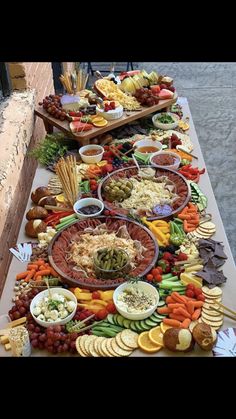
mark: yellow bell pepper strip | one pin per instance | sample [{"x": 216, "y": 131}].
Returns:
[
  {"x": 106, "y": 295},
  {"x": 160, "y": 236}
]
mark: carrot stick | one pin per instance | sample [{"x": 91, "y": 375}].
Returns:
[
  {"x": 177, "y": 317},
  {"x": 196, "y": 314},
  {"x": 39, "y": 262},
  {"x": 32, "y": 266},
  {"x": 30, "y": 275},
  {"x": 22, "y": 275},
  {"x": 42, "y": 273},
  {"x": 184, "y": 216},
  {"x": 185, "y": 324},
  {"x": 177, "y": 297},
  {"x": 169, "y": 299},
  {"x": 176, "y": 305},
  {"x": 164, "y": 310},
  {"x": 190, "y": 307},
  {"x": 182, "y": 312},
  {"x": 198, "y": 304},
  {"x": 39, "y": 278},
  {"x": 171, "y": 322}
]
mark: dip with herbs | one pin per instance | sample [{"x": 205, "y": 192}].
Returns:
[{"x": 135, "y": 300}]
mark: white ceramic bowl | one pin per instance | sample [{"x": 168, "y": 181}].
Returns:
[
  {"x": 145, "y": 286},
  {"x": 160, "y": 125},
  {"x": 174, "y": 166},
  {"x": 112, "y": 114},
  {"x": 84, "y": 203},
  {"x": 68, "y": 294},
  {"x": 148, "y": 143},
  {"x": 91, "y": 159}
]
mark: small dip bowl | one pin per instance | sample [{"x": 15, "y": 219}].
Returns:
[{"x": 84, "y": 204}]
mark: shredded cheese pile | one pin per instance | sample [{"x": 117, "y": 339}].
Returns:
[{"x": 112, "y": 92}]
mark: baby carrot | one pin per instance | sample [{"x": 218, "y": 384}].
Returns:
[
  {"x": 169, "y": 299},
  {"x": 198, "y": 304},
  {"x": 32, "y": 266},
  {"x": 182, "y": 312},
  {"x": 196, "y": 314},
  {"x": 53, "y": 272},
  {"x": 190, "y": 307},
  {"x": 164, "y": 310},
  {"x": 177, "y": 297},
  {"x": 39, "y": 262},
  {"x": 176, "y": 305},
  {"x": 30, "y": 275},
  {"x": 177, "y": 317},
  {"x": 22, "y": 275},
  {"x": 171, "y": 322},
  {"x": 185, "y": 324},
  {"x": 42, "y": 273}
]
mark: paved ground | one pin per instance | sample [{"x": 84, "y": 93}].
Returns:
[{"x": 211, "y": 92}]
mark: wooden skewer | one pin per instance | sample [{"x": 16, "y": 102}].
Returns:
[
  {"x": 226, "y": 308},
  {"x": 224, "y": 314}
]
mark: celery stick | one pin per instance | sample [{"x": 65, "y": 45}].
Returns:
[
  {"x": 166, "y": 276},
  {"x": 68, "y": 217}
]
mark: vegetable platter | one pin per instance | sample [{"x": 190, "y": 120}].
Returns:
[{"x": 184, "y": 256}]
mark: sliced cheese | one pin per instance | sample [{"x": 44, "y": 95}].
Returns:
[{"x": 188, "y": 278}]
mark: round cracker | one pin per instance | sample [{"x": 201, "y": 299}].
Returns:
[
  {"x": 213, "y": 327},
  {"x": 206, "y": 230},
  {"x": 104, "y": 348},
  {"x": 212, "y": 323},
  {"x": 91, "y": 348},
  {"x": 211, "y": 313},
  {"x": 110, "y": 349},
  {"x": 120, "y": 343},
  {"x": 212, "y": 292},
  {"x": 97, "y": 345},
  {"x": 119, "y": 351},
  {"x": 78, "y": 347},
  {"x": 207, "y": 306},
  {"x": 217, "y": 318},
  {"x": 208, "y": 225},
  {"x": 212, "y": 300},
  {"x": 87, "y": 342},
  {"x": 129, "y": 338}
]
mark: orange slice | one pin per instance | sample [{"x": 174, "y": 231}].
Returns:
[
  {"x": 156, "y": 336},
  {"x": 164, "y": 327},
  {"x": 60, "y": 198},
  {"x": 100, "y": 123},
  {"x": 146, "y": 344}
]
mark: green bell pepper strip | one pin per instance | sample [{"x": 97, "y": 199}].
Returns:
[{"x": 176, "y": 236}]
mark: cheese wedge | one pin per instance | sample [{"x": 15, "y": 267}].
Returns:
[
  {"x": 17, "y": 322},
  {"x": 188, "y": 278}
]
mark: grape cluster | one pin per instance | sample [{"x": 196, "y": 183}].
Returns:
[
  {"x": 52, "y": 105},
  {"x": 117, "y": 163},
  {"x": 22, "y": 305}
]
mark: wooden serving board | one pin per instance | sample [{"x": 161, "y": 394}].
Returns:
[{"x": 128, "y": 116}]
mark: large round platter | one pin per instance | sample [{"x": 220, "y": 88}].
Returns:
[
  {"x": 181, "y": 188},
  {"x": 59, "y": 246}
]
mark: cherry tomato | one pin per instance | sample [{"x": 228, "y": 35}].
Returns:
[
  {"x": 96, "y": 295},
  {"x": 190, "y": 293},
  {"x": 149, "y": 277},
  {"x": 191, "y": 287},
  {"x": 102, "y": 314},
  {"x": 106, "y": 212},
  {"x": 197, "y": 291},
  {"x": 111, "y": 308},
  {"x": 155, "y": 271},
  {"x": 201, "y": 297},
  {"x": 158, "y": 278}
]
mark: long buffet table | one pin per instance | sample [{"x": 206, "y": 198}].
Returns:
[{"x": 229, "y": 288}]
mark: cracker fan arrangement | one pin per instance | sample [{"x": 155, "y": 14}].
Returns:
[{"x": 121, "y": 257}]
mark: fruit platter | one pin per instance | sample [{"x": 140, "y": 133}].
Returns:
[
  {"x": 157, "y": 194},
  {"x": 116, "y": 259}
]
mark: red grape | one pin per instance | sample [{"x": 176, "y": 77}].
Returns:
[
  {"x": 67, "y": 341},
  {"x": 41, "y": 345},
  {"x": 73, "y": 336},
  {"x": 50, "y": 348},
  {"x": 50, "y": 335},
  {"x": 30, "y": 327},
  {"x": 56, "y": 343},
  {"x": 65, "y": 347},
  {"x": 22, "y": 310},
  {"x": 43, "y": 337},
  {"x": 37, "y": 329},
  {"x": 60, "y": 349},
  {"x": 54, "y": 350},
  {"x": 14, "y": 308},
  {"x": 57, "y": 328},
  {"x": 34, "y": 343},
  {"x": 16, "y": 315},
  {"x": 72, "y": 345},
  {"x": 50, "y": 342},
  {"x": 19, "y": 303},
  {"x": 34, "y": 336},
  {"x": 57, "y": 336}
]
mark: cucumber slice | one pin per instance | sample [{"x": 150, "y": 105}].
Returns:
[
  {"x": 110, "y": 319},
  {"x": 161, "y": 303},
  {"x": 115, "y": 319},
  {"x": 138, "y": 326},
  {"x": 159, "y": 316},
  {"x": 126, "y": 323},
  {"x": 120, "y": 320},
  {"x": 150, "y": 322},
  {"x": 154, "y": 319},
  {"x": 144, "y": 325},
  {"x": 133, "y": 326}
]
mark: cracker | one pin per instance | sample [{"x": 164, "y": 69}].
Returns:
[
  {"x": 120, "y": 343},
  {"x": 78, "y": 347},
  {"x": 110, "y": 349},
  {"x": 87, "y": 342},
  {"x": 212, "y": 292},
  {"x": 210, "y": 312},
  {"x": 208, "y": 225},
  {"x": 91, "y": 348},
  {"x": 97, "y": 345},
  {"x": 104, "y": 348},
  {"x": 217, "y": 318},
  {"x": 119, "y": 351},
  {"x": 213, "y": 324},
  {"x": 129, "y": 338},
  {"x": 212, "y": 300}
]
